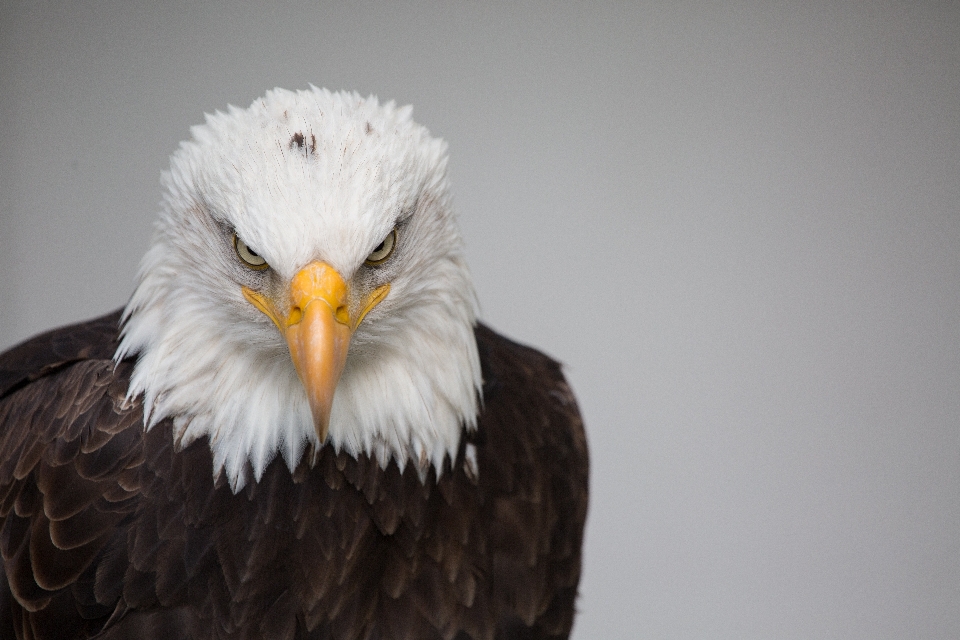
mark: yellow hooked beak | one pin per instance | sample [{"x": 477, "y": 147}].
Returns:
[{"x": 317, "y": 326}]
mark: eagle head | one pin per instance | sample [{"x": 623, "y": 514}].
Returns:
[{"x": 306, "y": 284}]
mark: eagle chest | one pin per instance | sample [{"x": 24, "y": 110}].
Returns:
[{"x": 337, "y": 549}]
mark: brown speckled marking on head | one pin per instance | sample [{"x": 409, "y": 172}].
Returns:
[
  {"x": 298, "y": 140},
  {"x": 369, "y": 128}
]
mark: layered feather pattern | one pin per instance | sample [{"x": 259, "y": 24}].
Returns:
[{"x": 113, "y": 532}]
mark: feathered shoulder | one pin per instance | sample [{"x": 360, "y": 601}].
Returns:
[{"x": 51, "y": 351}]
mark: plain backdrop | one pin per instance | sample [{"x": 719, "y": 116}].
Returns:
[{"x": 737, "y": 224}]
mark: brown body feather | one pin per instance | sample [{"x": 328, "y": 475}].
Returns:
[{"x": 108, "y": 531}]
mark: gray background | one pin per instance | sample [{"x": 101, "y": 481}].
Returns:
[{"x": 736, "y": 223}]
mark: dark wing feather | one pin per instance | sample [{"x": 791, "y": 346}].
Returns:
[
  {"x": 534, "y": 464},
  {"x": 70, "y": 447},
  {"x": 110, "y": 531}
]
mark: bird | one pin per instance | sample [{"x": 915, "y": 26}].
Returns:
[{"x": 297, "y": 428}]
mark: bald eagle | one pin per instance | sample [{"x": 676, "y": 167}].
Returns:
[{"x": 296, "y": 428}]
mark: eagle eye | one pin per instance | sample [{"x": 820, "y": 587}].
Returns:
[
  {"x": 248, "y": 256},
  {"x": 383, "y": 250}
]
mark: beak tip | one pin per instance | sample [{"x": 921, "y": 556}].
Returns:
[{"x": 322, "y": 428}]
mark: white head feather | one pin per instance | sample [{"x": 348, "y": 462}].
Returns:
[{"x": 305, "y": 176}]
